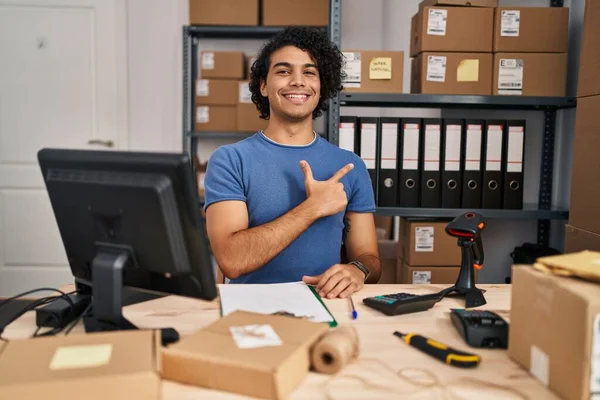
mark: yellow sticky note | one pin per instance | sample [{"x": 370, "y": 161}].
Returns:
[
  {"x": 468, "y": 71},
  {"x": 380, "y": 68},
  {"x": 89, "y": 356}
]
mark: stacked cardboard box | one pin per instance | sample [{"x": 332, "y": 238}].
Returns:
[
  {"x": 373, "y": 71},
  {"x": 267, "y": 13},
  {"x": 426, "y": 254},
  {"x": 530, "y": 45},
  {"x": 451, "y": 46},
  {"x": 583, "y": 231},
  {"x": 223, "y": 100}
]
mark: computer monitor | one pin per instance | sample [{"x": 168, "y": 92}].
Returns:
[{"x": 128, "y": 219}]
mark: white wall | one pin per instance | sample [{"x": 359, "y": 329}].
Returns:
[
  {"x": 154, "y": 29},
  {"x": 155, "y": 97}
]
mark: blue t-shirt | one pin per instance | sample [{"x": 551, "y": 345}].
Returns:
[{"x": 267, "y": 176}]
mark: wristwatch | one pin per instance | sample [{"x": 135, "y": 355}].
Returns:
[{"x": 361, "y": 266}]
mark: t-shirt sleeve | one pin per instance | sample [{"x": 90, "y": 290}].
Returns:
[
  {"x": 361, "y": 198},
  {"x": 223, "y": 179}
]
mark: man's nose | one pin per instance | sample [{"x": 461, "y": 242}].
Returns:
[{"x": 298, "y": 79}]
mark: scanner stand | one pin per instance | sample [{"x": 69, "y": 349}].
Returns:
[{"x": 465, "y": 284}]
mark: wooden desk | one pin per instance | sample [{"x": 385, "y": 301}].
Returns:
[{"x": 377, "y": 344}]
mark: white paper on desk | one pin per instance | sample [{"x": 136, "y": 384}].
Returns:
[{"x": 294, "y": 297}]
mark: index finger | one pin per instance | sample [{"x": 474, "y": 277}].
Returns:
[{"x": 341, "y": 172}]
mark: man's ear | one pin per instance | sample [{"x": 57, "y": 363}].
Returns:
[{"x": 263, "y": 88}]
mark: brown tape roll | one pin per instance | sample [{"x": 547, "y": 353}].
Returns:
[{"x": 335, "y": 350}]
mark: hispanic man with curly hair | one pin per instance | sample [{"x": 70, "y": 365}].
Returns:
[{"x": 280, "y": 204}]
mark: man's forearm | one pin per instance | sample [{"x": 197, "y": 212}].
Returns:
[
  {"x": 372, "y": 262},
  {"x": 250, "y": 249}
]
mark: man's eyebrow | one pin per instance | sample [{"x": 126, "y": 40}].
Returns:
[
  {"x": 288, "y": 65},
  {"x": 283, "y": 64}
]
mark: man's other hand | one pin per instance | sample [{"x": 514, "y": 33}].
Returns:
[
  {"x": 340, "y": 280},
  {"x": 327, "y": 197}
]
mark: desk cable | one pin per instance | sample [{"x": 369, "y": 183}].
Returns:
[
  {"x": 424, "y": 380},
  {"x": 34, "y": 305}
]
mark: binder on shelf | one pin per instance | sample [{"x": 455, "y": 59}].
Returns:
[
  {"x": 471, "y": 195},
  {"x": 452, "y": 148},
  {"x": 430, "y": 163},
  {"x": 387, "y": 161},
  {"x": 348, "y": 133},
  {"x": 513, "y": 171},
  {"x": 493, "y": 160},
  {"x": 367, "y": 149},
  {"x": 408, "y": 162}
]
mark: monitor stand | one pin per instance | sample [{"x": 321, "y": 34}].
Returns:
[{"x": 107, "y": 292}]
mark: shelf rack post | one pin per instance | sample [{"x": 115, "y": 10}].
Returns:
[
  {"x": 185, "y": 123},
  {"x": 335, "y": 35},
  {"x": 546, "y": 174}
]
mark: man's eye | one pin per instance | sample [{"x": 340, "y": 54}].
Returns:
[
  {"x": 310, "y": 72},
  {"x": 283, "y": 72}
]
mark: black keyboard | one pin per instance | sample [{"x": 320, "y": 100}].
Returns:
[{"x": 402, "y": 303}]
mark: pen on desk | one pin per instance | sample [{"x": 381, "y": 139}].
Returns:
[{"x": 354, "y": 313}]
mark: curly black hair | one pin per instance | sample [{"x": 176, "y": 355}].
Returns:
[{"x": 327, "y": 56}]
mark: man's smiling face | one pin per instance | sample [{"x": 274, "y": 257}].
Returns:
[{"x": 293, "y": 85}]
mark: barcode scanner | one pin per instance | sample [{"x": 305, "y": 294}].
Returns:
[{"x": 467, "y": 229}]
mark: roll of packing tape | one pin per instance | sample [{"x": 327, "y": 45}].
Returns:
[{"x": 335, "y": 350}]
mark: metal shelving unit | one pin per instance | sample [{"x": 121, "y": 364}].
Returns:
[
  {"x": 455, "y": 101},
  {"x": 529, "y": 211},
  {"x": 543, "y": 211}
]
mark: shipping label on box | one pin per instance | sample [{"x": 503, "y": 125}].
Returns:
[
  {"x": 424, "y": 238},
  {"x": 352, "y": 69},
  {"x": 510, "y": 21},
  {"x": 208, "y": 60},
  {"x": 510, "y": 76},
  {"x": 202, "y": 115},
  {"x": 202, "y": 88},
  {"x": 421, "y": 277},
  {"x": 436, "y": 68},
  {"x": 245, "y": 94},
  {"x": 436, "y": 23}
]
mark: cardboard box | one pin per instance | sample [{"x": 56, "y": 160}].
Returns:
[
  {"x": 387, "y": 254},
  {"x": 219, "y": 92},
  {"x": 247, "y": 118},
  {"x": 426, "y": 243},
  {"x": 426, "y": 275},
  {"x": 554, "y": 331},
  {"x": 211, "y": 358},
  {"x": 221, "y": 64},
  {"x": 577, "y": 240},
  {"x": 115, "y": 365},
  {"x": 452, "y": 73},
  {"x": 384, "y": 226},
  {"x": 585, "y": 177},
  {"x": 461, "y": 29},
  {"x": 530, "y": 74},
  {"x": 374, "y": 71},
  {"x": 293, "y": 12},
  {"x": 589, "y": 57},
  {"x": 224, "y": 12},
  {"x": 469, "y": 3},
  {"x": 216, "y": 118},
  {"x": 531, "y": 29}
]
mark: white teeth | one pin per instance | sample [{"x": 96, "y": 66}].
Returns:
[{"x": 296, "y": 96}]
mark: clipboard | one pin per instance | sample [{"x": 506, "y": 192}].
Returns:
[
  {"x": 333, "y": 323},
  {"x": 261, "y": 298}
]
